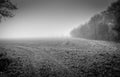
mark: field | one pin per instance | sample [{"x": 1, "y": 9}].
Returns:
[{"x": 59, "y": 58}]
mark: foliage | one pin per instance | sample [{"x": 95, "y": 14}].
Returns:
[
  {"x": 6, "y": 8},
  {"x": 102, "y": 26}
]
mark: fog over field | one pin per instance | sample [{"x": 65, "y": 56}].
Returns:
[
  {"x": 49, "y": 18},
  {"x": 59, "y": 38}
]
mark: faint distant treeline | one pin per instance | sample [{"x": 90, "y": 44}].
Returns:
[{"x": 102, "y": 26}]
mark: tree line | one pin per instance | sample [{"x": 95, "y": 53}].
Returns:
[{"x": 102, "y": 26}]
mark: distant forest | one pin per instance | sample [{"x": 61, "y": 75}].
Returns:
[{"x": 102, "y": 26}]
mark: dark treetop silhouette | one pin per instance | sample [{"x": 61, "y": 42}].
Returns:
[{"x": 6, "y": 8}]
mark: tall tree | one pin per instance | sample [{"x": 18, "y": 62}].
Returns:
[{"x": 114, "y": 10}]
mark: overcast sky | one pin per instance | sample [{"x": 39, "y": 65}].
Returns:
[{"x": 49, "y": 18}]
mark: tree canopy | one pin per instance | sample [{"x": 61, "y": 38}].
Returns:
[
  {"x": 6, "y": 8},
  {"x": 102, "y": 26}
]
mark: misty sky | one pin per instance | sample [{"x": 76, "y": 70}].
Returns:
[{"x": 49, "y": 18}]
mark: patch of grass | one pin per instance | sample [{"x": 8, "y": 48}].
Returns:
[
  {"x": 69, "y": 59},
  {"x": 14, "y": 66}
]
